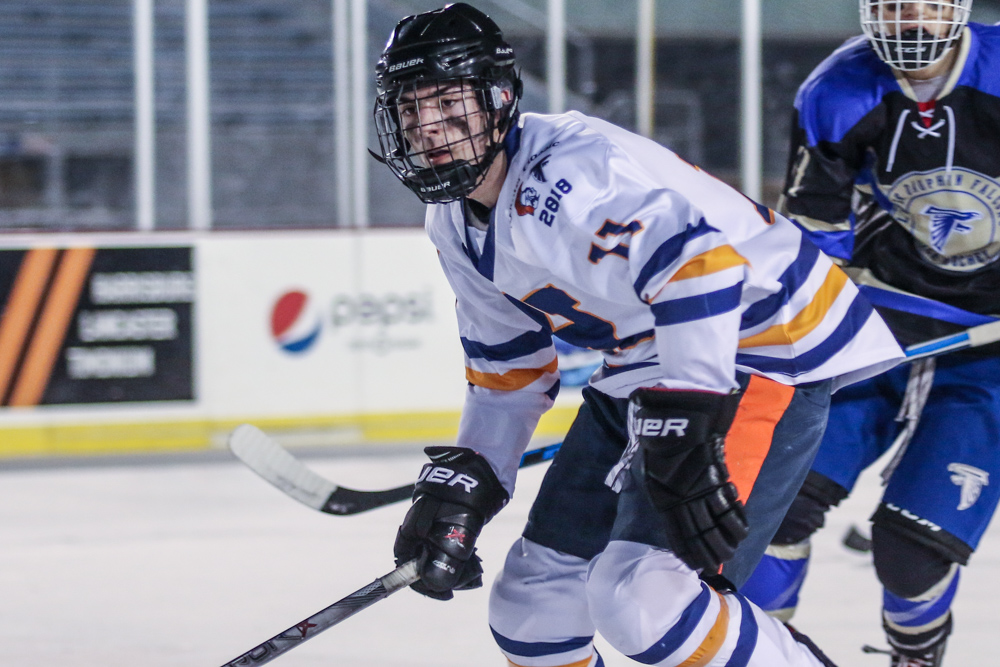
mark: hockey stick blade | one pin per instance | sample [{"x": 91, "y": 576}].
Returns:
[
  {"x": 281, "y": 469},
  {"x": 381, "y": 588},
  {"x": 278, "y": 467}
]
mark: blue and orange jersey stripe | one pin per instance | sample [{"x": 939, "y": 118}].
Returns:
[
  {"x": 808, "y": 318},
  {"x": 512, "y": 380}
]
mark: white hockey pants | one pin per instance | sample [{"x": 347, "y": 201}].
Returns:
[{"x": 546, "y": 606}]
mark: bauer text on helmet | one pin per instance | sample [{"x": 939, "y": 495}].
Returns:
[{"x": 447, "y": 94}]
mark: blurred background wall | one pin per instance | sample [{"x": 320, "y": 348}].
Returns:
[{"x": 67, "y": 99}]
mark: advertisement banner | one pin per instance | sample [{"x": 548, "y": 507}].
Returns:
[
  {"x": 85, "y": 325},
  {"x": 330, "y": 324}
]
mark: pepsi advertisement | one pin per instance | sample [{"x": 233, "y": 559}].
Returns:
[{"x": 86, "y": 325}]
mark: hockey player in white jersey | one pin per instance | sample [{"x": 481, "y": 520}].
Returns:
[{"x": 713, "y": 314}]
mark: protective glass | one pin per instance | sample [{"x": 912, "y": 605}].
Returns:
[
  {"x": 439, "y": 137},
  {"x": 913, "y": 34}
]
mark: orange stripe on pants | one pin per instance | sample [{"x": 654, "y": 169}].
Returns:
[
  {"x": 749, "y": 440},
  {"x": 581, "y": 663},
  {"x": 25, "y": 296},
  {"x": 713, "y": 641},
  {"x": 52, "y": 326}
]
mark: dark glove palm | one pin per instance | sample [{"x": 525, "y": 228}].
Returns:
[
  {"x": 457, "y": 493},
  {"x": 702, "y": 514},
  {"x": 682, "y": 435}
]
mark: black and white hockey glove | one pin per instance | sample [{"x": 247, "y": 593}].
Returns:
[
  {"x": 682, "y": 434},
  {"x": 455, "y": 495}
]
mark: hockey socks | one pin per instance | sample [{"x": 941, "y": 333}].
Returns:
[
  {"x": 775, "y": 584},
  {"x": 917, "y": 626}
]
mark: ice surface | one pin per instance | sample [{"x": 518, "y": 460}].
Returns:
[{"x": 193, "y": 563}]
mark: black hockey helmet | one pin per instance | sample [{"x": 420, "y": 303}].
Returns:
[{"x": 447, "y": 94}]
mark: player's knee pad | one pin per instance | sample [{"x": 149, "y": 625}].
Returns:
[
  {"x": 775, "y": 583},
  {"x": 806, "y": 514},
  {"x": 905, "y": 567},
  {"x": 637, "y": 593},
  {"x": 537, "y": 610},
  {"x": 920, "y": 577}
]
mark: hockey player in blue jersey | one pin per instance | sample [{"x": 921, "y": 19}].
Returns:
[
  {"x": 713, "y": 315},
  {"x": 894, "y": 170}
]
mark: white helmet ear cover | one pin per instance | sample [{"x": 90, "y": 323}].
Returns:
[{"x": 941, "y": 24}]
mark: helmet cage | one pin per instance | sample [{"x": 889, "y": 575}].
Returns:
[
  {"x": 440, "y": 136},
  {"x": 916, "y": 47}
]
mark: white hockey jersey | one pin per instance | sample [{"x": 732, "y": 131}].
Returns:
[{"x": 612, "y": 242}]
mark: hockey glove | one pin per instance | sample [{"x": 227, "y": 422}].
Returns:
[
  {"x": 455, "y": 495},
  {"x": 682, "y": 434}
]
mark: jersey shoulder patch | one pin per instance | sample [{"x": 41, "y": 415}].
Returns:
[
  {"x": 842, "y": 90},
  {"x": 560, "y": 168}
]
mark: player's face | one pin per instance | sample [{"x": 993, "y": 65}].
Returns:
[
  {"x": 443, "y": 123},
  {"x": 898, "y": 17}
]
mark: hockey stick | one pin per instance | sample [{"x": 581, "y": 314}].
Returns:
[
  {"x": 976, "y": 336},
  {"x": 381, "y": 588},
  {"x": 278, "y": 467}
]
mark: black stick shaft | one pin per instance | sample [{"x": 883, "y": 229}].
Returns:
[
  {"x": 345, "y": 502},
  {"x": 401, "y": 577}
]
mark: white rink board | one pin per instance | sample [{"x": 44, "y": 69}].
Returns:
[
  {"x": 387, "y": 344},
  {"x": 364, "y": 360}
]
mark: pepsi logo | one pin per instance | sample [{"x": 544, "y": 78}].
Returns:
[{"x": 295, "y": 322}]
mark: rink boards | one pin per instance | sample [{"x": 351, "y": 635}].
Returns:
[{"x": 133, "y": 342}]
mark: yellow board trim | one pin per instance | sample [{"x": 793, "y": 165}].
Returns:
[{"x": 202, "y": 434}]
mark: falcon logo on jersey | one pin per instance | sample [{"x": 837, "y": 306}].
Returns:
[
  {"x": 971, "y": 479},
  {"x": 945, "y": 221},
  {"x": 527, "y": 200},
  {"x": 954, "y": 215}
]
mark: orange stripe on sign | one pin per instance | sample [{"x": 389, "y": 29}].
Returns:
[
  {"x": 749, "y": 440},
  {"x": 52, "y": 326},
  {"x": 518, "y": 378},
  {"x": 25, "y": 296},
  {"x": 713, "y": 640}
]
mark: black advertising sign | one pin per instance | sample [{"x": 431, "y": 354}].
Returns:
[{"x": 96, "y": 325}]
